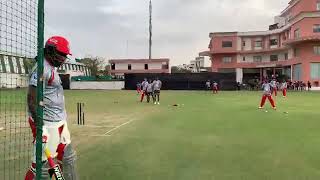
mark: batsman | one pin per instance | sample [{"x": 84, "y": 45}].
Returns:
[{"x": 56, "y": 136}]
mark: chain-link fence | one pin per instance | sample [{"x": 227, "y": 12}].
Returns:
[{"x": 18, "y": 48}]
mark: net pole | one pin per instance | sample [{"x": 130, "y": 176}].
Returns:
[{"x": 40, "y": 57}]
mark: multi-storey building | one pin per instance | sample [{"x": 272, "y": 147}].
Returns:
[
  {"x": 290, "y": 47},
  {"x": 119, "y": 67}
]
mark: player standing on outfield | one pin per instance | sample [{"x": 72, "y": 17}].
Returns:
[
  {"x": 208, "y": 85},
  {"x": 56, "y": 136},
  {"x": 267, "y": 93},
  {"x": 144, "y": 85},
  {"x": 157, "y": 84},
  {"x": 284, "y": 87},
  {"x": 273, "y": 87},
  {"x": 215, "y": 87},
  {"x": 138, "y": 87},
  {"x": 149, "y": 90}
]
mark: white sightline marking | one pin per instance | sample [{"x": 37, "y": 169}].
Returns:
[
  {"x": 103, "y": 135},
  {"x": 96, "y": 126},
  {"x": 113, "y": 129}
]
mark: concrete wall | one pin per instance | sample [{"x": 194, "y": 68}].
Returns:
[
  {"x": 97, "y": 85},
  {"x": 155, "y": 66},
  {"x": 303, "y": 5},
  {"x": 248, "y": 46},
  {"x": 217, "y": 43},
  {"x": 306, "y": 27},
  {"x": 137, "y": 66},
  {"x": 121, "y": 66},
  {"x": 265, "y": 57}
]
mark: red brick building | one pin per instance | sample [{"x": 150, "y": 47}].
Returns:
[{"x": 290, "y": 47}]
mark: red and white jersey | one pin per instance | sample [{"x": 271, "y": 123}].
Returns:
[
  {"x": 54, "y": 106},
  {"x": 266, "y": 88},
  {"x": 157, "y": 85},
  {"x": 144, "y": 85},
  {"x": 215, "y": 85},
  {"x": 284, "y": 85},
  {"x": 273, "y": 84}
]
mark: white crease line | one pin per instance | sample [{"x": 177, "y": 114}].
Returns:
[{"x": 118, "y": 127}]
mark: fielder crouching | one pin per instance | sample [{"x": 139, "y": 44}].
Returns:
[{"x": 56, "y": 136}]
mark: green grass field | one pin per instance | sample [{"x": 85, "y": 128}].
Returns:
[{"x": 207, "y": 137}]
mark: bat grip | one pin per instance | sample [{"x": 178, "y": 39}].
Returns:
[{"x": 50, "y": 160}]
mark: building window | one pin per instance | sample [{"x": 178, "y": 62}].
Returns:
[
  {"x": 315, "y": 70},
  {"x": 286, "y": 56},
  {"x": 243, "y": 43},
  {"x": 243, "y": 58},
  {"x": 297, "y": 33},
  {"x": 165, "y": 65},
  {"x": 226, "y": 44},
  {"x": 113, "y": 66},
  {"x": 297, "y": 72},
  {"x": 318, "y": 6},
  {"x": 258, "y": 44},
  {"x": 146, "y": 66},
  {"x": 316, "y": 50},
  {"x": 227, "y": 59},
  {"x": 295, "y": 52},
  {"x": 257, "y": 59},
  {"x": 316, "y": 28},
  {"x": 129, "y": 66},
  {"x": 274, "y": 58},
  {"x": 273, "y": 42}
]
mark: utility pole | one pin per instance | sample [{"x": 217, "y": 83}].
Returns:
[{"x": 150, "y": 29}]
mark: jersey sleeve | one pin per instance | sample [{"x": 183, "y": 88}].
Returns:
[
  {"x": 33, "y": 78},
  {"x": 47, "y": 74}
]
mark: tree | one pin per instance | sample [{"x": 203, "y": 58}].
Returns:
[
  {"x": 175, "y": 69},
  {"x": 107, "y": 69},
  {"x": 93, "y": 64}
]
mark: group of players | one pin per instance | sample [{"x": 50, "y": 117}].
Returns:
[
  {"x": 213, "y": 86},
  {"x": 270, "y": 88},
  {"x": 151, "y": 89}
]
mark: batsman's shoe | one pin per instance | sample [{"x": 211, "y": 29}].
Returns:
[
  {"x": 155, "y": 103},
  {"x": 158, "y": 103},
  {"x": 260, "y": 107}
]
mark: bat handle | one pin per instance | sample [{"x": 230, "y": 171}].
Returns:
[{"x": 50, "y": 160}]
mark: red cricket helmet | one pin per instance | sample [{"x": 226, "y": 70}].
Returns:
[{"x": 60, "y": 43}]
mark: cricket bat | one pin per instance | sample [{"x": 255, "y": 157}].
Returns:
[{"x": 55, "y": 170}]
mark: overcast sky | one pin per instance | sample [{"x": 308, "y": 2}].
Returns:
[{"x": 119, "y": 28}]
